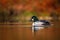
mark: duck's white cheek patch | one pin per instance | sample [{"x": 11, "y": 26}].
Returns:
[{"x": 32, "y": 19}]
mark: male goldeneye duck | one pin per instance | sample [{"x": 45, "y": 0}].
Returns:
[{"x": 38, "y": 24}]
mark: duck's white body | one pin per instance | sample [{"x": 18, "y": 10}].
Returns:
[{"x": 38, "y": 24}]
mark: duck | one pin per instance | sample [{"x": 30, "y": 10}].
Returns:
[{"x": 39, "y": 24}]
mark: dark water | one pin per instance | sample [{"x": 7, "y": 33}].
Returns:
[{"x": 24, "y": 32}]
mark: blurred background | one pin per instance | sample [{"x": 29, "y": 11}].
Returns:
[
  {"x": 15, "y": 16},
  {"x": 22, "y": 10}
]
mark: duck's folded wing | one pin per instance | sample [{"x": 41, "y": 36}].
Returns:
[{"x": 45, "y": 22}]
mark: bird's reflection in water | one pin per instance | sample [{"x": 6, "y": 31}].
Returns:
[
  {"x": 35, "y": 29},
  {"x": 38, "y": 28}
]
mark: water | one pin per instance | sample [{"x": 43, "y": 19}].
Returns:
[{"x": 24, "y": 32}]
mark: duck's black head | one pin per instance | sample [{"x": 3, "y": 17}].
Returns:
[{"x": 34, "y": 19}]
